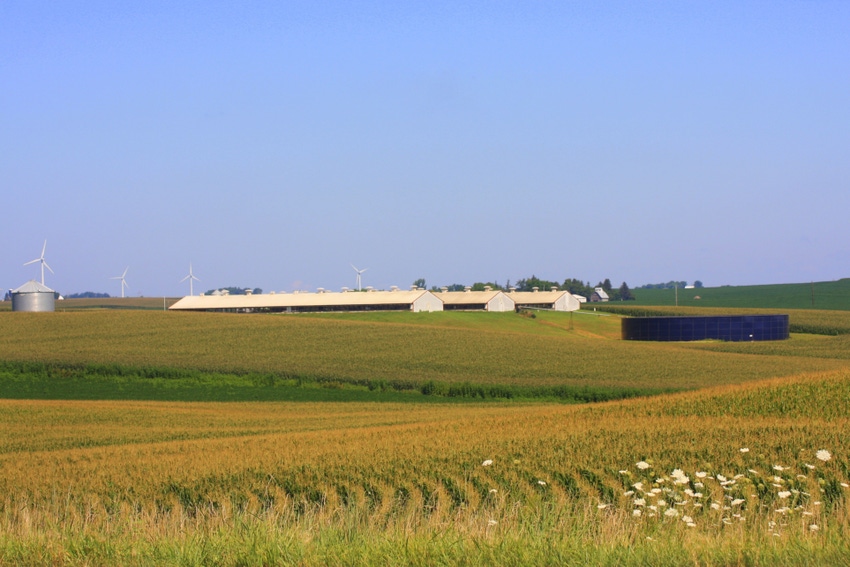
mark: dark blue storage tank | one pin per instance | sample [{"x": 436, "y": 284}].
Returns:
[{"x": 724, "y": 328}]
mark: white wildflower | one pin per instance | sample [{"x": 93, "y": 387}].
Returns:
[
  {"x": 737, "y": 501},
  {"x": 541, "y": 482},
  {"x": 744, "y": 449},
  {"x": 813, "y": 528},
  {"x": 779, "y": 468},
  {"x": 687, "y": 519},
  {"x": 640, "y": 502},
  {"x": 810, "y": 467},
  {"x": 601, "y": 506},
  {"x": 784, "y": 494},
  {"x": 493, "y": 491},
  {"x": 642, "y": 465},
  {"x": 671, "y": 513},
  {"x": 823, "y": 455},
  {"x": 487, "y": 463},
  {"x": 628, "y": 493},
  {"x": 701, "y": 474},
  {"x": 492, "y": 523},
  {"x": 636, "y": 512}
]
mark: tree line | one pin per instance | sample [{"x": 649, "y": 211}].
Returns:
[{"x": 574, "y": 286}]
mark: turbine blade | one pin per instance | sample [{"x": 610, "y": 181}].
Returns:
[
  {"x": 44, "y": 249},
  {"x": 32, "y": 261},
  {"x": 48, "y": 267}
]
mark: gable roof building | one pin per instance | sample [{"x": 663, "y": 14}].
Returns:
[
  {"x": 555, "y": 300},
  {"x": 489, "y": 300},
  {"x": 599, "y": 295}
]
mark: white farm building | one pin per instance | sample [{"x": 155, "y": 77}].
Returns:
[
  {"x": 413, "y": 300},
  {"x": 488, "y": 300},
  {"x": 555, "y": 300}
]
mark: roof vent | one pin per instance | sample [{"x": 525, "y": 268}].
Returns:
[
  {"x": 535, "y": 289},
  {"x": 444, "y": 289},
  {"x": 249, "y": 292},
  {"x": 344, "y": 289},
  {"x": 393, "y": 288},
  {"x": 467, "y": 288},
  {"x": 488, "y": 288},
  {"x": 554, "y": 288},
  {"x": 513, "y": 289}
]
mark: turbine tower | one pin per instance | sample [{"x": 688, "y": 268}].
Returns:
[
  {"x": 123, "y": 281},
  {"x": 191, "y": 277},
  {"x": 359, "y": 288},
  {"x": 43, "y": 262}
]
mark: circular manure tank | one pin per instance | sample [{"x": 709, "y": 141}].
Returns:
[{"x": 712, "y": 327}]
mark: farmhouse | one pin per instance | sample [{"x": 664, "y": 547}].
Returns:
[
  {"x": 555, "y": 300},
  {"x": 413, "y": 300},
  {"x": 488, "y": 300}
]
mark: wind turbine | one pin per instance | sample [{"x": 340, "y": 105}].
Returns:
[
  {"x": 359, "y": 288},
  {"x": 123, "y": 281},
  {"x": 190, "y": 277},
  {"x": 43, "y": 262}
]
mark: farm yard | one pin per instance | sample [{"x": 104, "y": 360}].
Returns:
[{"x": 147, "y": 437}]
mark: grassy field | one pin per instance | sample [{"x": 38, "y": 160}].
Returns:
[
  {"x": 500, "y": 355},
  {"x": 131, "y": 437},
  {"x": 813, "y": 295}
]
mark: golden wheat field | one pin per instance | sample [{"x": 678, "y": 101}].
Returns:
[{"x": 750, "y": 467}]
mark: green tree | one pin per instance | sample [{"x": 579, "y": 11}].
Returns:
[{"x": 624, "y": 293}]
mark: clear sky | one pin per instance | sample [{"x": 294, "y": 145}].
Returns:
[{"x": 274, "y": 144}]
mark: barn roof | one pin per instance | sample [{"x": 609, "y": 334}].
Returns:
[
  {"x": 534, "y": 297},
  {"x": 300, "y": 300},
  {"x": 467, "y": 297}
]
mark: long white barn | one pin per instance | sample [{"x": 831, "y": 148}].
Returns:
[
  {"x": 476, "y": 300},
  {"x": 555, "y": 300},
  {"x": 413, "y": 300}
]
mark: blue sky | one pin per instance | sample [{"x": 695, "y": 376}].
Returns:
[{"x": 274, "y": 144}]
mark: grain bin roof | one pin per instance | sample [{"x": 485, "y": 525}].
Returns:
[
  {"x": 298, "y": 300},
  {"x": 33, "y": 286}
]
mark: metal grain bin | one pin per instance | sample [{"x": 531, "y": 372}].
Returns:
[{"x": 32, "y": 296}]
